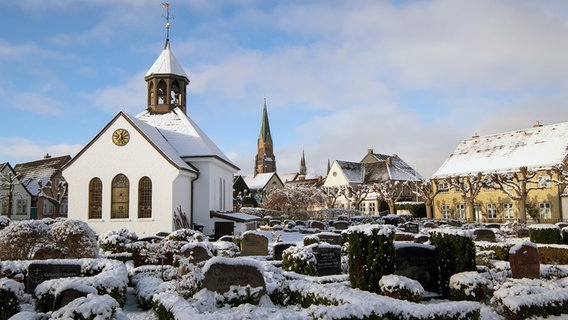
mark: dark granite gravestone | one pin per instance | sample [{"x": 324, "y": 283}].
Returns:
[
  {"x": 48, "y": 253},
  {"x": 226, "y": 239},
  {"x": 331, "y": 238},
  {"x": 64, "y": 297},
  {"x": 483, "y": 234},
  {"x": 195, "y": 252},
  {"x": 328, "y": 259},
  {"x": 429, "y": 224},
  {"x": 253, "y": 244},
  {"x": 223, "y": 274},
  {"x": 317, "y": 225},
  {"x": 493, "y": 226},
  {"x": 562, "y": 225},
  {"x": 418, "y": 262},
  {"x": 455, "y": 223},
  {"x": 341, "y": 225},
  {"x": 411, "y": 227},
  {"x": 421, "y": 238},
  {"x": 279, "y": 247},
  {"x": 39, "y": 272},
  {"x": 524, "y": 262}
]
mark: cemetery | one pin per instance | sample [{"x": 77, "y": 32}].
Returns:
[{"x": 419, "y": 269}]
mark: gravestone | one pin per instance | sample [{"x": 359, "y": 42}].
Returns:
[
  {"x": 418, "y": 262},
  {"x": 253, "y": 244},
  {"x": 39, "y": 272},
  {"x": 411, "y": 227},
  {"x": 317, "y": 225},
  {"x": 226, "y": 239},
  {"x": 48, "y": 253},
  {"x": 301, "y": 223},
  {"x": 483, "y": 234},
  {"x": 524, "y": 262},
  {"x": 493, "y": 226},
  {"x": 328, "y": 259},
  {"x": 196, "y": 252},
  {"x": 64, "y": 297},
  {"x": 455, "y": 223},
  {"x": 331, "y": 238},
  {"x": 341, "y": 225},
  {"x": 421, "y": 238},
  {"x": 222, "y": 274},
  {"x": 429, "y": 224},
  {"x": 279, "y": 247},
  {"x": 562, "y": 225}
]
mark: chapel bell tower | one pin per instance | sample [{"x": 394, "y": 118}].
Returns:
[{"x": 166, "y": 80}]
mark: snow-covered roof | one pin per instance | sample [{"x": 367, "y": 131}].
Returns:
[
  {"x": 260, "y": 180},
  {"x": 287, "y": 177},
  {"x": 166, "y": 64},
  {"x": 536, "y": 147},
  {"x": 397, "y": 168},
  {"x": 181, "y": 133},
  {"x": 34, "y": 173},
  {"x": 235, "y": 216},
  {"x": 382, "y": 170}
]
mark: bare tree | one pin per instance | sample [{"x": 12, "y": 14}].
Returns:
[
  {"x": 54, "y": 194},
  {"x": 331, "y": 194},
  {"x": 390, "y": 191},
  {"x": 517, "y": 185},
  {"x": 292, "y": 200},
  {"x": 355, "y": 194},
  {"x": 9, "y": 182},
  {"x": 468, "y": 186},
  {"x": 427, "y": 190}
]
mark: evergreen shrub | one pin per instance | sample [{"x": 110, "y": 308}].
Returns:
[
  {"x": 544, "y": 233},
  {"x": 10, "y": 291},
  {"x": 300, "y": 260},
  {"x": 553, "y": 255},
  {"x": 470, "y": 285},
  {"x": 371, "y": 255},
  {"x": 456, "y": 253}
]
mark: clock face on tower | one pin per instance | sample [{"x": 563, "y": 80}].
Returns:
[{"x": 120, "y": 137}]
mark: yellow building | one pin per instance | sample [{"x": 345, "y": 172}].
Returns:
[{"x": 491, "y": 178}]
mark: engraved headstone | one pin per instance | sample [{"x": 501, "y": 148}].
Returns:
[
  {"x": 524, "y": 261},
  {"x": 421, "y": 238},
  {"x": 253, "y": 244},
  {"x": 279, "y": 247},
  {"x": 411, "y": 227},
  {"x": 329, "y": 237},
  {"x": 341, "y": 225},
  {"x": 39, "y": 272},
  {"x": 317, "y": 225},
  {"x": 66, "y": 296},
  {"x": 418, "y": 262},
  {"x": 196, "y": 252},
  {"x": 328, "y": 259},
  {"x": 484, "y": 234},
  {"x": 220, "y": 275}
]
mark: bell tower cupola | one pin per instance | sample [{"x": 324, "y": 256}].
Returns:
[{"x": 166, "y": 80}]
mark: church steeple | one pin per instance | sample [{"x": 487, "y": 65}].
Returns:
[
  {"x": 166, "y": 79},
  {"x": 303, "y": 169},
  {"x": 265, "y": 161}
]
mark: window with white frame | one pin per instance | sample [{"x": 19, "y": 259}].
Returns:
[
  {"x": 446, "y": 211},
  {"x": 544, "y": 210},
  {"x": 362, "y": 207},
  {"x": 371, "y": 208},
  {"x": 460, "y": 211},
  {"x": 544, "y": 182},
  {"x": 491, "y": 211},
  {"x": 477, "y": 212},
  {"x": 22, "y": 206},
  {"x": 444, "y": 187},
  {"x": 47, "y": 208},
  {"x": 508, "y": 212}
]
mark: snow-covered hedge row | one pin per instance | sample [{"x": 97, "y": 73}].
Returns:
[{"x": 11, "y": 294}]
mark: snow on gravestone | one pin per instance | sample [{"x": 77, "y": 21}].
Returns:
[
  {"x": 484, "y": 234},
  {"x": 222, "y": 273},
  {"x": 254, "y": 244},
  {"x": 279, "y": 247},
  {"x": 418, "y": 262},
  {"x": 195, "y": 252},
  {"x": 341, "y": 225},
  {"x": 328, "y": 259},
  {"x": 330, "y": 237},
  {"x": 39, "y": 272},
  {"x": 317, "y": 225},
  {"x": 523, "y": 258}
]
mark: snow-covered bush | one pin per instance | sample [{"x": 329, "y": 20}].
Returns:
[
  {"x": 300, "y": 260},
  {"x": 75, "y": 238},
  {"x": 90, "y": 307},
  {"x": 4, "y": 222},
  {"x": 117, "y": 241},
  {"x": 187, "y": 235},
  {"x": 308, "y": 240},
  {"x": 470, "y": 285},
  {"x": 11, "y": 295},
  {"x": 456, "y": 253},
  {"x": 227, "y": 249},
  {"x": 500, "y": 249},
  {"x": 20, "y": 238},
  {"x": 400, "y": 287},
  {"x": 544, "y": 233},
  {"x": 371, "y": 255}
]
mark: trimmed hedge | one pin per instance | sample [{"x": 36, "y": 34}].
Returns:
[
  {"x": 547, "y": 234},
  {"x": 371, "y": 255}
]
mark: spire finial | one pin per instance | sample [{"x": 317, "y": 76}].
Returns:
[{"x": 167, "y": 17}]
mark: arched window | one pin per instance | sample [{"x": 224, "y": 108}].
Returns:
[
  {"x": 119, "y": 197},
  {"x": 145, "y": 198},
  {"x": 95, "y": 199},
  {"x": 162, "y": 92}
]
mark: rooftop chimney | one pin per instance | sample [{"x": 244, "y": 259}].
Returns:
[
  {"x": 370, "y": 151},
  {"x": 537, "y": 125}
]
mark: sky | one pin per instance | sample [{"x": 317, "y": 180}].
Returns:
[{"x": 412, "y": 78}]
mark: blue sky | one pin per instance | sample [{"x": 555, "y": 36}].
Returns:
[{"x": 340, "y": 77}]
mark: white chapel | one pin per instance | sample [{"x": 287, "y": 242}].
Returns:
[{"x": 153, "y": 172}]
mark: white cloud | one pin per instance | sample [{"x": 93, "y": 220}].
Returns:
[{"x": 17, "y": 150}]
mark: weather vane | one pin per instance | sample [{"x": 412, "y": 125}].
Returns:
[{"x": 167, "y": 17}]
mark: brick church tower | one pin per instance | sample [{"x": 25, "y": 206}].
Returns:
[{"x": 265, "y": 161}]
